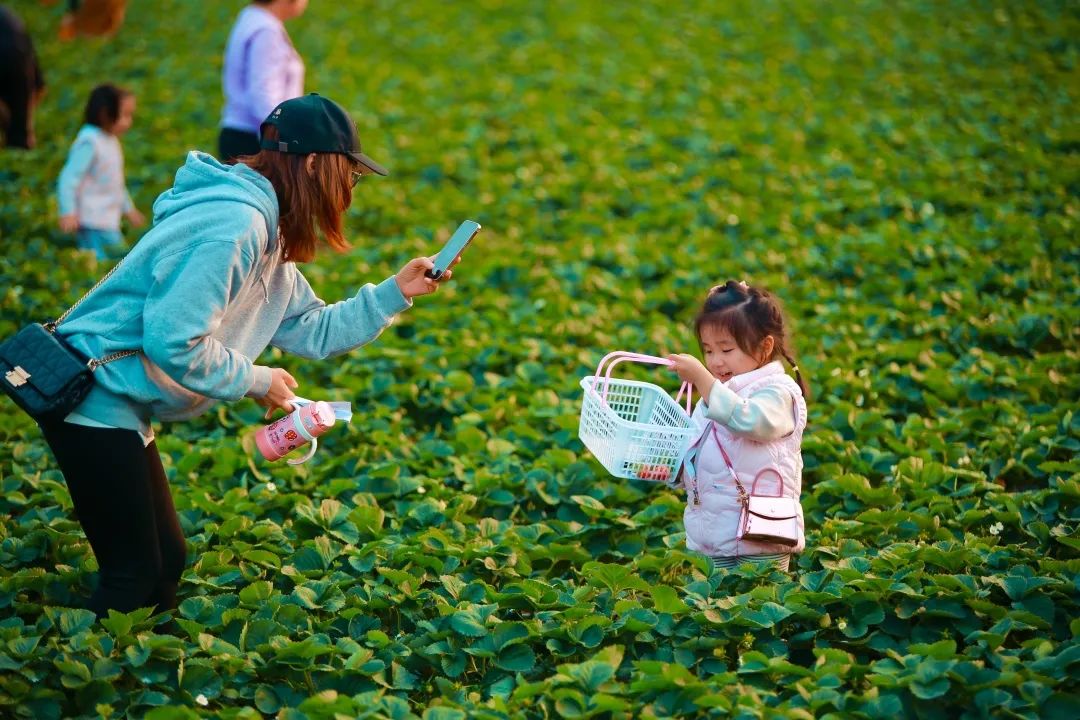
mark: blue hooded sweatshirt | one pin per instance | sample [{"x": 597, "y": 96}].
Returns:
[{"x": 201, "y": 295}]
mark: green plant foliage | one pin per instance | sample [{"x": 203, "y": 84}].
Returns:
[{"x": 904, "y": 175}]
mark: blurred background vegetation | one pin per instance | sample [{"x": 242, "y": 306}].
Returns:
[{"x": 904, "y": 175}]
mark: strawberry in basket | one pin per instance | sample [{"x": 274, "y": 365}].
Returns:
[{"x": 654, "y": 472}]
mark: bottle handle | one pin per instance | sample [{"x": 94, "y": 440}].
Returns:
[{"x": 310, "y": 453}]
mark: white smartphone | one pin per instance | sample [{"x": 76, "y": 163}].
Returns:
[{"x": 453, "y": 247}]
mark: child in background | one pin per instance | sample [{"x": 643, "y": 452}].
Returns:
[
  {"x": 751, "y": 410},
  {"x": 91, "y": 191}
]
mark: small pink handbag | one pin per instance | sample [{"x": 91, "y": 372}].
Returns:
[{"x": 765, "y": 518}]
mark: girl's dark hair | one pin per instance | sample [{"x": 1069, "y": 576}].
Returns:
[
  {"x": 307, "y": 202},
  {"x": 103, "y": 107},
  {"x": 749, "y": 315}
]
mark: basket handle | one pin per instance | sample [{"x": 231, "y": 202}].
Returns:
[
  {"x": 614, "y": 358},
  {"x": 617, "y": 353},
  {"x": 689, "y": 390}
]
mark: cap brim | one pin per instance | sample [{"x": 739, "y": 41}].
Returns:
[{"x": 369, "y": 163}]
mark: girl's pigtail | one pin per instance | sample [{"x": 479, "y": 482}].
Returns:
[{"x": 798, "y": 375}]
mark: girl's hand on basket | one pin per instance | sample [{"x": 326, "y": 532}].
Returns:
[{"x": 691, "y": 370}]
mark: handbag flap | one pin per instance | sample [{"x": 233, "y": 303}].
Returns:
[
  {"x": 40, "y": 359},
  {"x": 772, "y": 508}
]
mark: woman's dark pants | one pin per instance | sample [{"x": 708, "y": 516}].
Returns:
[{"x": 122, "y": 501}]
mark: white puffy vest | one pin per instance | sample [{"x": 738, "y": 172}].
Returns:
[
  {"x": 712, "y": 522},
  {"x": 102, "y": 194}
]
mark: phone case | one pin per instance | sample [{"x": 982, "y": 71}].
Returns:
[{"x": 454, "y": 247}]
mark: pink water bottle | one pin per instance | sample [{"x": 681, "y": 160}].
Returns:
[{"x": 300, "y": 427}]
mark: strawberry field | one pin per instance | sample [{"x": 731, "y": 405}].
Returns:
[{"x": 904, "y": 175}]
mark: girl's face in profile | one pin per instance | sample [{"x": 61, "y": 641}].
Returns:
[
  {"x": 297, "y": 8},
  {"x": 125, "y": 116},
  {"x": 723, "y": 357}
]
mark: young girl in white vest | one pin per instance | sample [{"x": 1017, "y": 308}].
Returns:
[
  {"x": 91, "y": 192},
  {"x": 751, "y": 419}
]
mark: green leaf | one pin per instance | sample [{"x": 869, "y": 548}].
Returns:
[
  {"x": 590, "y": 631},
  {"x": 266, "y": 700},
  {"x": 171, "y": 713},
  {"x": 23, "y": 646},
  {"x": 442, "y": 713},
  {"x": 106, "y": 670},
  {"x": 944, "y": 649},
  {"x": 613, "y": 577},
  {"x": 73, "y": 621},
  {"x": 201, "y": 680},
  {"x": 666, "y": 600},
  {"x": 453, "y": 585},
  {"x": 76, "y": 674},
  {"x": 377, "y": 638},
  {"x": 263, "y": 557},
  {"x": 453, "y": 665},
  {"x": 590, "y": 676},
  {"x": 885, "y": 705},
  {"x": 769, "y": 614},
  {"x": 467, "y": 624},
  {"x": 402, "y": 678},
  {"x": 117, "y": 623},
  {"x": 516, "y": 658},
  {"x": 216, "y": 646},
  {"x": 256, "y": 593},
  {"x": 508, "y": 633},
  {"x": 1061, "y": 705},
  {"x": 931, "y": 689},
  {"x": 196, "y": 608}
]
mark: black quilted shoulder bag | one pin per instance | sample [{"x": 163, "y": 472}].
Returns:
[{"x": 45, "y": 375}]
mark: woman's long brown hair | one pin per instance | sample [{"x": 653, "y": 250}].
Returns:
[{"x": 307, "y": 203}]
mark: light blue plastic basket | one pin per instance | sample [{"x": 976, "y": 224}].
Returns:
[{"x": 635, "y": 429}]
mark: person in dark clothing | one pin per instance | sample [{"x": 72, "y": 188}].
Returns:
[{"x": 21, "y": 82}]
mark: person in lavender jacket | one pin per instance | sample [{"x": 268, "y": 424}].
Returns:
[
  {"x": 214, "y": 282},
  {"x": 262, "y": 69}
]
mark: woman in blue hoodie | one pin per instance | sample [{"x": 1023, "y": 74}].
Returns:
[{"x": 203, "y": 293}]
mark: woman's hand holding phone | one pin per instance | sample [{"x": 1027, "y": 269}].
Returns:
[{"x": 412, "y": 278}]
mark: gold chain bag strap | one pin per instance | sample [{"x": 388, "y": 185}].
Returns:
[
  {"x": 765, "y": 518},
  {"x": 43, "y": 374}
]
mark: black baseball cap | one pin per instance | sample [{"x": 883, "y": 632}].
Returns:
[{"x": 315, "y": 124}]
